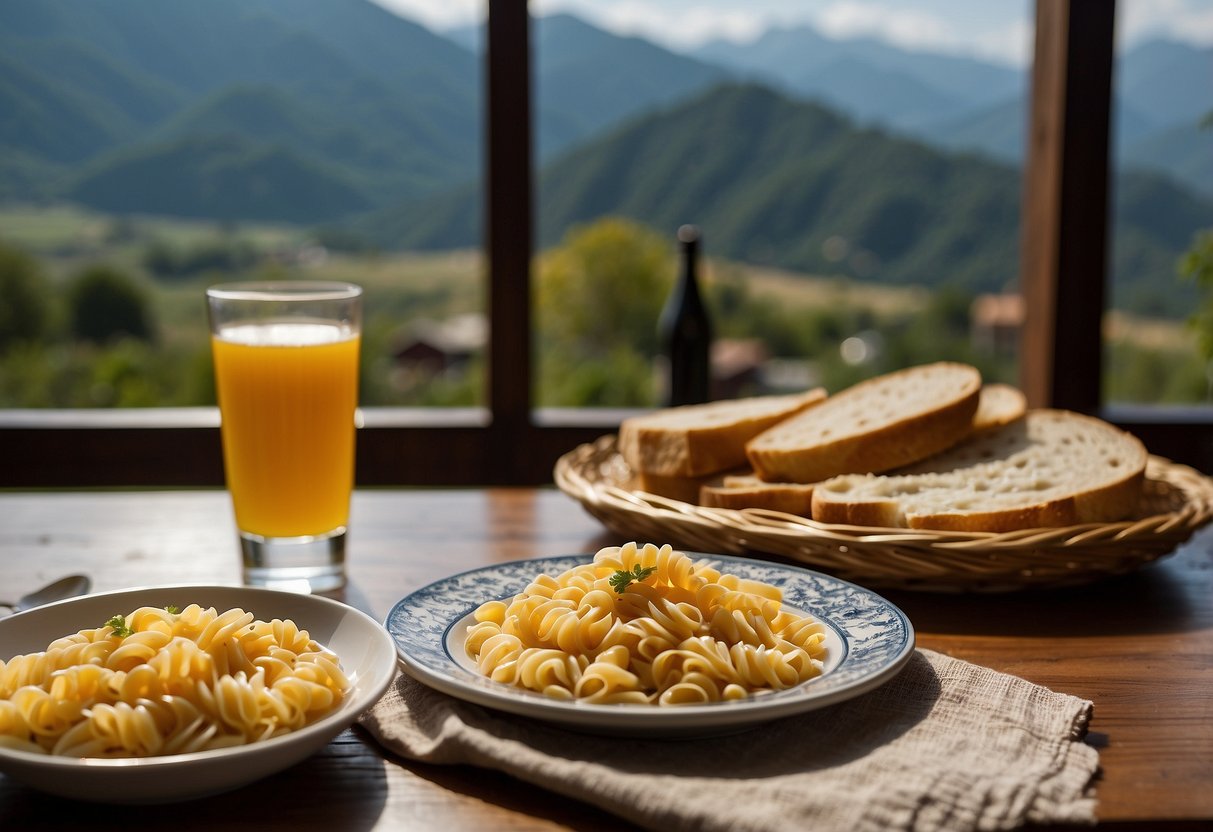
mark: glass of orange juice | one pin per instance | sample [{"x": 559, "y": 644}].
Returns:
[{"x": 286, "y": 372}]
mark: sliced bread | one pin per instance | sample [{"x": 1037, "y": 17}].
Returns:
[
  {"x": 701, "y": 439},
  {"x": 877, "y": 425},
  {"x": 1051, "y": 468},
  {"x": 999, "y": 404},
  {"x": 748, "y": 491},
  {"x": 685, "y": 489}
]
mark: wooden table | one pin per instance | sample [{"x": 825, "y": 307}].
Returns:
[{"x": 1140, "y": 647}]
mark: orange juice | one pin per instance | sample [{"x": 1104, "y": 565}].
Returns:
[{"x": 287, "y": 394}]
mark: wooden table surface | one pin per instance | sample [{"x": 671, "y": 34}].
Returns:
[{"x": 1140, "y": 647}]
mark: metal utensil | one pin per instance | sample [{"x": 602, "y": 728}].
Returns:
[{"x": 63, "y": 588}]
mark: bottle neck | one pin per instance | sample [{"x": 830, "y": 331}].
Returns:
[
  {"x": 685, "y": 333},
  {"x": 688, "y": 281}
]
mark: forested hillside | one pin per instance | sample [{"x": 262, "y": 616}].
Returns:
[
  {"x": 340, "y": 113},
  {"x": 805, "y": 189}
]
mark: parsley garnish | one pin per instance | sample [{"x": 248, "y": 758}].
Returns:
[
  {"x": 622, "y": 577},
  {"x": 118, "y": 625},
  {"x": 172, "y": 609}
]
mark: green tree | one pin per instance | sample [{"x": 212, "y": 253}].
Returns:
[
  {"x": 621, "y": 378},
  {"x": 105, "y": 303},
  {"x": 25, "y": 306},
  {"x": 1197, "y": 265},
  {"x": 599, "y": 295},
  {"x": 604, "y": 286}
]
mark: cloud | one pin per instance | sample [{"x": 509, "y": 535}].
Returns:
[
  {"x": 906, "y": 27},
  {"x": 438, "y": 14},
  {"x": 998, "y": 32},
  {"x": 988, "y": 36},
  {"x": 678, "y": 25},
  {"x": 1011, "y": 44},
  {"x": 688, "y": 23},
  {"x": 1188, "y": 20}
]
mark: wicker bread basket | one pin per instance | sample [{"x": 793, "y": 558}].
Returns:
[{"x": 1176, "y": 501}]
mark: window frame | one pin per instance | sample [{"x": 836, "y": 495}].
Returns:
[
  {"x": 1065, "y": 233},
  {"x": 1064, "y": 240}
]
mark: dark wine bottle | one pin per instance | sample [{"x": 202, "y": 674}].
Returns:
[{"x": 684, "y": 331}]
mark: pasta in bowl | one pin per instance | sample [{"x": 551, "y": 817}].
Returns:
[
  {"x": 865, "y": 641},
  {"x": 235, "y": 684}
]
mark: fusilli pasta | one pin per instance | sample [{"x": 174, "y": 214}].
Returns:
[
  {"x": 684, "y": 633},
  {"x": 167, "y": 682}
]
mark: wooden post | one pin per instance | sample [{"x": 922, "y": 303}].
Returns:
[
  {"x": 508, "y": 231},
  {"x": 1066, "y": 202}
]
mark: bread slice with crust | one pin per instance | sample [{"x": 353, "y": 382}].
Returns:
[
  {"x": 700, "y": 439},
  {"x": 999, "y": 404},
  {"x": 748, "y": 491},
  {"x": 1051, "y": 468},
  {"x": 683, "y": 489},
  {"x": 877, "y": 425}
]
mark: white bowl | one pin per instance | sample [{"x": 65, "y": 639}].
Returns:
[{"x": 366, "y": 651}]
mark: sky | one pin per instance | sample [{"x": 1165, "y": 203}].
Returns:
[{"x": 996, "y": 30}]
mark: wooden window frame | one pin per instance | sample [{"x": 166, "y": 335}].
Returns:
[
  {"x": 1066, "y": 205},
  {"x": 1064, "y": 234}
]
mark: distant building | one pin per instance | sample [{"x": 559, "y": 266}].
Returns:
[
  {"x": 995, "y": 322},
  {"x": 737, "y": 367},
  {"x": 428, "y": 348}
]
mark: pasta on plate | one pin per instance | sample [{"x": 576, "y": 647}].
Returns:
[
  {"x": 646, "y": 625},
  {"x": 159, "y": 681}
]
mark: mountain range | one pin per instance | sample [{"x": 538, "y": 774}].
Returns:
[
  {"x": 337, "y": 111},
  {"x": 953, "y": 102},
  {"x": 965, "y": 104},
  {"x": 805, "y": 189},
  {"x": 867, "y": 78},
  {"x": 346, "y": 92}
]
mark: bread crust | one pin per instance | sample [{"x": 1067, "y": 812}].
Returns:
[
  {"x": 683, "y": 489},
  {"x": 657, "y": 444},
  {"x": 791, "y": 498},
  {"x": 999, "y": 405},
  {"x": 1115, "y": 501}
]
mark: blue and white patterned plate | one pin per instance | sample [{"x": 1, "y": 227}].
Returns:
[{"x": 868, "y": 641}]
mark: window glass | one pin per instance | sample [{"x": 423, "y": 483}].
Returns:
[
  {"x": 1158, "y": 327},
  {"x": 154, "y": 149},
  {"x": 854, "y": 171}
]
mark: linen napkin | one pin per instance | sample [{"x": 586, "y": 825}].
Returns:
[{"x": 945, "y": 745}]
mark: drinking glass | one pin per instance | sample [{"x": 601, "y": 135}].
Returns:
[{"x": 286, "y": 372}]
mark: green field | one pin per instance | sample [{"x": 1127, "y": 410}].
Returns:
[{"x": 798, "y": 316}]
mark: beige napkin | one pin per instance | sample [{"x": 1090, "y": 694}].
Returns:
[{"x": 945, "y": 745}]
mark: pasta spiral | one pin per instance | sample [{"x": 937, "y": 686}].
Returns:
[
  {"x": 168, "y": 683},
  {"x": 684, "y": 633}
]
